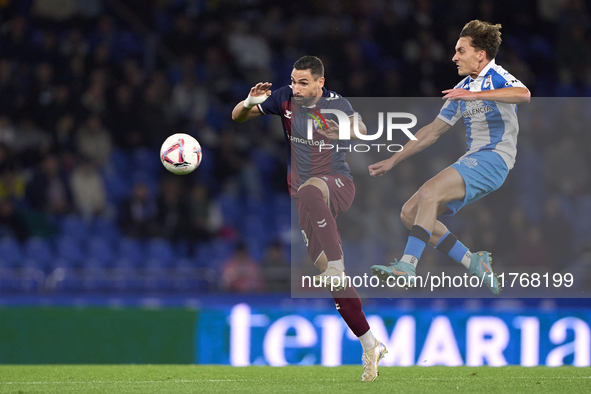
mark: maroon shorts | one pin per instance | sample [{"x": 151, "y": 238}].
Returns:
[{"x": 341, "y": 192}]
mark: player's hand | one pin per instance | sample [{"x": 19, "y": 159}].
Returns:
[
  {"x": 260, "y": 88},
  {"x": 459, "y": 94},
  {"x": 332, "y": 132},
  {"x": 258, "y": 94},
  {"x": 381, "y": 167}
]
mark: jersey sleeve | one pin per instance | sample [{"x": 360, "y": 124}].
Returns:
[
  {"x": 344, "y": 105},
  {"x": 506, "y": 80},
  {"x": 450, "y": 112},
  {"x": 272, "y": 105}
]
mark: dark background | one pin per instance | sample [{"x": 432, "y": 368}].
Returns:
[{"x": 89, "y": 89}]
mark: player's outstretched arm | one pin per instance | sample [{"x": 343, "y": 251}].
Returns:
[
  {"x": 248, "y": 109},
  {"x": 510, "y": 95},
  {"x": 426, "y": 136}
]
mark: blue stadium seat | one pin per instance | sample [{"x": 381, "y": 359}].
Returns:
[
  {"x": 147, "y": 178},
  {"x": 92, "y": 262},
  {"x": 116, "y": 187},
  {"x": 130, "y": 250},
  {"x": 148, "y": 159},
  {"x": 187, "y": 277},
  {"x": 202, "y": 254},
  {"x": 70, "y": 249},
  {"x": 222, "y": 250},
  {"x": 231, "y": 209},
  {"x": 282, "y": 204},
  {"x": 94, "y": 278},
  {"x": 8, "y": 282},
  {"x": 282, "y": 210},
  {"x": 182, "y": 248},
  {"x": 75, "y": 227},
  {"x": 183, "y": 274},
  {"x": 119, "y": 159},
  {"x": 100, "y": 250},
  {"x": 155, "y": 275},
  {"x": 257, "y": 207},
  {"x": 63, "y": 263},
  {"x": 124, "y": 275},
  {"x": 105, "y": 228},
  {"x": 38, "y": 250},
  {"x": 264, "y": 162},
  {"x": 256, "y": 248},
  {"x": 161, "y": 250},
  {"x": 31, "y": 279},
  {"x": 69, "y": 282},
  {"x": 10, "y": 252},
  {"x": 254, "y": 227}
]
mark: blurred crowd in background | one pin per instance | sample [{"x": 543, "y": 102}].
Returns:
[{"x": 89, "y": 90}]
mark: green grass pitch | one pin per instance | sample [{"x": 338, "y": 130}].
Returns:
[{"x": 224, "y": 379}]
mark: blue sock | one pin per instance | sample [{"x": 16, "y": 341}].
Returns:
[
  {"x": 417, "y": 240},
  {"x": 451, "y": 246}
]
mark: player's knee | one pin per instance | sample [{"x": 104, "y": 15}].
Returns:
[
  {"x": 309, "y": 193},
  {"x": 428, "y": 193},
  {"x": 408, "y": 214},
  {"x": 322, "y": 262}
]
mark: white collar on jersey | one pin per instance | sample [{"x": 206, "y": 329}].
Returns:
[{"x": 486, "y": 68}]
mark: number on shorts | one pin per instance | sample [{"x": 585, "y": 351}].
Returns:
[{"x": 305, "y": 238}]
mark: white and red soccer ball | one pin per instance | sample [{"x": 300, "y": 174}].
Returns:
[{"x": 180, "y": 154}]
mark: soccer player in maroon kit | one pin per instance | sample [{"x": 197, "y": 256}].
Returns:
[{"x": 320, "y": 181}]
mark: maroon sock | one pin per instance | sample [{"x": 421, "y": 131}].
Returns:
[
  {"x": 348, "y": 304},
  {"x": 325, "y": 225}
]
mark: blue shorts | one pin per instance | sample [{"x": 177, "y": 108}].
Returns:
[{"x": 483, "y": 172}]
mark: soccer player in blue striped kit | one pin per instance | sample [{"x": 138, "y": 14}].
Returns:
[{"x": 486, "y": 99}]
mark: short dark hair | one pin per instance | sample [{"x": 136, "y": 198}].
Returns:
[
  {"x": 485, "y": 36},
  {"x": 311, "y": 63}
]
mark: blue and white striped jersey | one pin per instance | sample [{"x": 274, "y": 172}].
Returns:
[{"x": 489, "y": 124}]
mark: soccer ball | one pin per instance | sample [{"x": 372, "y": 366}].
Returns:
[{"x": 180, "y": 154}]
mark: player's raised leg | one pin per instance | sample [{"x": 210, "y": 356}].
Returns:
[
  {"x": 445, "y": 187},
  {"x": 318, "y": 222},
  {"x": 313, "y": 196},
  {"x": 447, "y": 243}
]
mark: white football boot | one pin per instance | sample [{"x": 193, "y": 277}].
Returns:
[{"x": 370, "y": 359}]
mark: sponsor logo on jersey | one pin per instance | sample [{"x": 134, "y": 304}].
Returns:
[
  {"x": 287, "y": 114},
  {"x": 304, "y": 141},
  {"x": 475, "y": 107}
]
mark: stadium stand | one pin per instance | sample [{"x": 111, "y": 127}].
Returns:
[{"x": 88, "y": 96}]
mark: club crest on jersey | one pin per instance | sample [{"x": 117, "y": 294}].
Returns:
[
  {"x": 318, "y": 121},
  {"x": 487, "y": 82},
  {"x": 469, "y": 162}
]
